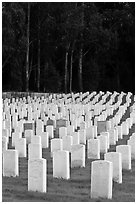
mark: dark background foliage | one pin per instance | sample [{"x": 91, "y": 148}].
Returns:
[{"x": 97, "y": 38}]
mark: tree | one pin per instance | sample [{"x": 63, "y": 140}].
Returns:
[
  {"x": 13, "y": 45},
  {"x": 27, "y": 53}
]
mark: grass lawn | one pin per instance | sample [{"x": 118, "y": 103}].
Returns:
[{"x": 77, "y": 189}]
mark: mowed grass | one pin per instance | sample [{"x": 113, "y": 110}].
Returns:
[{"x": 76, "y": 189}]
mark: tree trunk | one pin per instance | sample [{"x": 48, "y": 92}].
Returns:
[
  {"x": 71, "y": 67},
  {"x": 27, "y": 54},
  {"x": 80, "y": 69},
  {"x": 38, "y": 77},
  {"x": 81, "y": 52},
  {"x": 66, "y": 70}
]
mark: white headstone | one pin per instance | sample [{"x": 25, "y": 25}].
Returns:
[
  {"x": 10, "y": 163},
  {"x": 34, "y": 151},
  {"x": 4, "y": 144},
  {"x": 77, "y": 155},
  {"x": 106, "y": 134},
  {"x": 82, "y": 136},
  {"x": 112, "y": 138},
  {"x": 15, "y": 137},
  {"x": 116, "y": 159},
  {"x": 28, "y": 134},
  {"x": 131, "y": 142},
  {"x": 95, "y": 131},
  {"x": 120, "y": 134},
  {"x": 36, "y": 139},
  {"x": 37, "y": 175},
  {"x": 70, "y": 130},
  {"x": 101, "y": 179},
  {"x": 61, "y": 168},
  {"x": 56, "y": 144},
  {"x": 103, "y": 143},
  {"x": 83, "y": 125},
  {"x": 20, "y": 146},
  {"x": 67, "y": 142},
  {"x": 90, "y": 132},
  {"x": 116, "y": 133},
  {"x": 125, "y": 128},
  {"x": 125, "y": 150},
  {"x": 93, "y": 151},
  {"x": 76, "y": 138},
  {"x": 5, "y": 133},
  {"x": 45, "y": 139},
  {"x": 50, "y": 130},
  {"x": 62, "y": 132}
]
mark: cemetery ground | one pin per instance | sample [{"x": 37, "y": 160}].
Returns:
[{"x": 76, "y": 189}]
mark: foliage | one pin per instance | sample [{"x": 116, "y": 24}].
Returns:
[{"x": 108, "y": 37}]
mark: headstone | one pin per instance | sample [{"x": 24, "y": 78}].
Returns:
[
  {"x": 56, "y": 144},
  {"x": 120, "y": 135},
  {"x": 36, "y": 139},
  {"x": 45, "y": 139},
  {"x": 125, "y": 129},
  {"x": 116, "y": 159},
  {"x": 82, "y": 137},
  {"x": 93, "y": 151},
  {"x": 61, "y": 168},
  {"x": 83, "y": 125},
  {"x": 76, "y": 139},
  {"x": 20, "y": 146},
  {"x": 8, "y": 126},
  {"x": 5, "y": 133},
  {"x": 4, "y": 144},
  {"x": 28, "y": 134},
  {"x": 67, "y": 143},
  {"x": 90, "y": 132},
  {"x": 131, "y": 142},
  {"x": 34, "y": 151},
  {"x": 116, "y": 133},
  {"x": 103, "y": 143},
  {"x": 101, "y": 126},
  {"x": 70, "y": 130},
  {"x": 50, "y": 131},
  {"x": 106, "y": 134},
  {"x": 39, "y": 127},
  {"x": 112, "y": 138},
  {"x": 125, "y": 150},
  {"x": 15, "y": 137},
  {"x": 37, "y": 175},
  {"x": 10, "y": 163},
  {"x": 77, "y": 155},
  {"x": 101, "y": 179},
  {"x": 62, "y": 132}
]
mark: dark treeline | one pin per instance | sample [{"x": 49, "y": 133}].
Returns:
[{"x": 68, "y": 46}]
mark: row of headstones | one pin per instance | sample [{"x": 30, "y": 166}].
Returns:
[
  {"x": 38, "y": 109},
  {"x": 73, "y": 121},
  {"x": 91, "y": 132},
  {"x": 67, "y": 141},
  {"x": 103, "y": 172},
  {"x": 67, "y": 137},
  {"x": 89, "y": 123}
]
